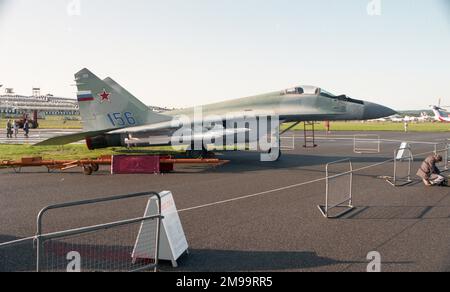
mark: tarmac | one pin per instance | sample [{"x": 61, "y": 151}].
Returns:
[
  {"x": 35, "y": 136},
  {"x": 254, "y": 216}
]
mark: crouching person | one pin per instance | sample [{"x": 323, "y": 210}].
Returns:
[{"x": 430, "y": 173}]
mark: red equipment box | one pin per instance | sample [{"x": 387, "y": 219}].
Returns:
[{"x": 123, "y": 164}]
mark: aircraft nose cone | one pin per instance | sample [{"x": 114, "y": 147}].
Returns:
[{"x": 375, "y": 111}]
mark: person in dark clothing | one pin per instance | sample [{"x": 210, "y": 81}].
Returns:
[
  {"x": 430, "y": 173},
  {"x": 9, "y": 130},
  {"x": 26, "y": 128}
]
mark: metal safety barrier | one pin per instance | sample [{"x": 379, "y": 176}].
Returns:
[
  {"x": 104, "y": 247},
  {"x": 443, "y": 150},
  {"x": 366, "y": 144},
  {"x": 18, "y": 255},
  {"x": 403, "y": 160},
  {"x": 99, "y": 248},
  {"x": 447, "y": 157},
  {"x": 339, "y": 190},
  {"x": 287, "y": 143}
]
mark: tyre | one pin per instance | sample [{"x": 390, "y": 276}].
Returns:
[
  {"x": 88, "y": 170},
  {"x": 95, "y": 167}
]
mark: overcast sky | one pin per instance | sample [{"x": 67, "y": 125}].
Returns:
[{"x": 179, "y": 53}]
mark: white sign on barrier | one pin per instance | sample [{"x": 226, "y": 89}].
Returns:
[
  {"x": 403, "y": 160},
  {"x": 401, "y": 154},
  {"x": 173, "y": 243}
]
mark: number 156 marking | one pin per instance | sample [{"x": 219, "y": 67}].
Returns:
[{"x": 121, "y": 120}]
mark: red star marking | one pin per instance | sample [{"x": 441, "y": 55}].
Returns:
[{"x": 104, "y": 96}]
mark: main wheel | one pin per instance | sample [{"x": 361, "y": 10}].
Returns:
[
  {"x": 88, "y": 170},
  {"x": 197, "y": 154},
  {"x": 95, "y": 167}
]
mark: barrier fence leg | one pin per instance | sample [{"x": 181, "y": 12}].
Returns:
[
  {"x": 38, "y": 254},
  {"x": 344, "y": 199},
  {"x": 446, "y": 158},
  {"x": 405, "y": 179}
]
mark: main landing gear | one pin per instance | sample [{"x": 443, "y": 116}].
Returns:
[
  {"x": 199, "y": 154},
  {"x": 88, "y": 169}
]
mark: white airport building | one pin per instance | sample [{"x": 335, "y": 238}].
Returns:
[{"x": 16, "y": 104}]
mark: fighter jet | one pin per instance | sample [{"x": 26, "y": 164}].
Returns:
[{"x": 113, "y": 117}]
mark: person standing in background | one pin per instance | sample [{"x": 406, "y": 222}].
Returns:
[
  {"x": 9, "y": 129},
  {"x": 26, "y": 128},
  {"x": 328, "y": 127},
  {"x": 16, "y": 129}
]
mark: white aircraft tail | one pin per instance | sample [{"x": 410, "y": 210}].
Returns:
[{"x": 440, "y": 114}]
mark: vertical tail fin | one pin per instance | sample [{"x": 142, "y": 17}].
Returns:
[
  {"x": 106, "y": 105},
  {"x": 123, "y": 92}
]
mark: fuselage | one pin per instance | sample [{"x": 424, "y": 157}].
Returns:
[
  {"x": 111, "y": 114},
  {"x": 293, "y": 105}
]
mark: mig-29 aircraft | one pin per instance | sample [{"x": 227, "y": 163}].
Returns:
[{"x": 112, "y": 116}]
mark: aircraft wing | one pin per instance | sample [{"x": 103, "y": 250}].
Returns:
[
  {"x": 72, "y": 138},
  {"x": 157, "y": 128},
  {"x": 67, "y": 139},
  {"x": 178, "y": 123},
  {"x": 147, "y": 128}
]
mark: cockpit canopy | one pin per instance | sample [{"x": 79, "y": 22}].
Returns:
[
  {"x": 313, "y": 90},
  {"x": 309, "y": 90}
]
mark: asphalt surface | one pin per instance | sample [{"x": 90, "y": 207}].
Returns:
[{"x": 272, "y": 225}]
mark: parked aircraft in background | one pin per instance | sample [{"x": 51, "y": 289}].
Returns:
[
  {"x": 397, "y": 119},
  {"x": 111, "y": 114},
  {"x": 424, "y": 117},
  {"x": 441, "y": 115}
]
